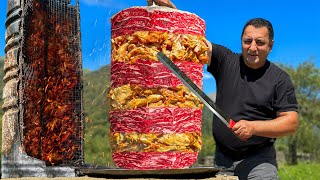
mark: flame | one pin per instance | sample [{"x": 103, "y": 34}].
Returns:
[{"x": 50, "y": 122}]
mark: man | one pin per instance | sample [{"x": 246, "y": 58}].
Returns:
[
  {"x": 167, "y": 3},
  {"x": 258, "y": 95}
]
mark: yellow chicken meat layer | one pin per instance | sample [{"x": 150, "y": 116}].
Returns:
[
  {"x": 133, "y": 96},
  {"x": 146, "y": 45},
  {"x": 135, "y": 142}
]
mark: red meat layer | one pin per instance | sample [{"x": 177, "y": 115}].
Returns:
[
  {"x": 140, "y": 19},
  {"x": 153, "y": 160},
  {"x": 156, "y": 120},
  {"x": 151, "y": 74}
]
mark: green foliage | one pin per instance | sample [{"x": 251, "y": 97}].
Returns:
[
  {"x": 208, "y": 144},
  {"x": 97, "y": 148},
  {"x": 86, "y": 72},
  {"x": 301, "y": 171},
  {"x": 307, "y": 86},
  {"x": 96, "y": 85}
]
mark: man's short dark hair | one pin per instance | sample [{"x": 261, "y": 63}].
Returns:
[{"x": 258, "y": 23}]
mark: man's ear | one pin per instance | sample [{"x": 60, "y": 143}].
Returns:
[
  {"x": 209, "y": 52},
  {"x": 271, "y": 45}
]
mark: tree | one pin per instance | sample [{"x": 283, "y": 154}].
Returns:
[{"x": 306, "y": 79}]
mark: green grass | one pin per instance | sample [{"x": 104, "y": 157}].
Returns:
[{"x": 303, "y": 171}]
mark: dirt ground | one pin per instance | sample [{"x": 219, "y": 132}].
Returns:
[{"x": 92, "y": 178}]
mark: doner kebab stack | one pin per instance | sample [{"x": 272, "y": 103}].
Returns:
[{"x": 155, "y": 121}]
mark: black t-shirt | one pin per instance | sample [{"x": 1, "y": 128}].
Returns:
[{"x": 249, "y": 94}]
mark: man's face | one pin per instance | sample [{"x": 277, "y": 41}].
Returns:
[{"x": 255, "y": 46}]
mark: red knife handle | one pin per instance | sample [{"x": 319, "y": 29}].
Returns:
[{"x": 231, "y": 123}]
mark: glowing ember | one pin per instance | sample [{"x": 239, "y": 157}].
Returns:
[{"x": 51, "y": 78}]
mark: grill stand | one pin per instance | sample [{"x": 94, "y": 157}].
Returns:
[{"x": 15, "y": 162}]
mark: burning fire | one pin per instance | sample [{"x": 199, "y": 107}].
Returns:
[{"x": 49, "y": 103}]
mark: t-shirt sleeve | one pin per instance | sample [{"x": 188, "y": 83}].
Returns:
[
  {"x": 285, "y": 98},
  {"x": 219, "y": 58}
]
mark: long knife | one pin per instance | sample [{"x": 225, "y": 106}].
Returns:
[{"x": 194, "y": 88}]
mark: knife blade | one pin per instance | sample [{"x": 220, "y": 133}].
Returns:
[{"x": 195, "y": 89}]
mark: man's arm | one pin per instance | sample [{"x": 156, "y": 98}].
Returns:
[
  {"x": 166, "y": 3},
  {"x": 286, "y": 123},
  {"x": 209, "y": 51}
]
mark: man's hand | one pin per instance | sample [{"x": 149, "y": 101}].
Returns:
[
  {"x": 243, "y": 130},
  {"x": 209, "y": 51},
  {"x": 166, "y": 3},
  {"x": 285, "y": 124}
]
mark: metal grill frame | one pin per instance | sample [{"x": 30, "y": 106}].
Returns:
[{"x": 60, "y": 7}]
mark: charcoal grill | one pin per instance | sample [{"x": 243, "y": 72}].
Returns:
[{"x": 43, "y": 110}]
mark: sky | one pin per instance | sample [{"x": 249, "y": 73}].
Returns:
[{"x": 296, "y": 25}]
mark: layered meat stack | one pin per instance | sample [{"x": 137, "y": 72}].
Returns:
[{"x": 155, "y": 120}]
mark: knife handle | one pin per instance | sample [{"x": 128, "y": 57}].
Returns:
[{"x": 231, "y": 123}]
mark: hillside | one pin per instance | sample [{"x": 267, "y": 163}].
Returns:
[{"x": 96, "y": 83}]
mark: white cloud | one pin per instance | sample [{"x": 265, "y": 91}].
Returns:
[{"x": 207, "y": 75}]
